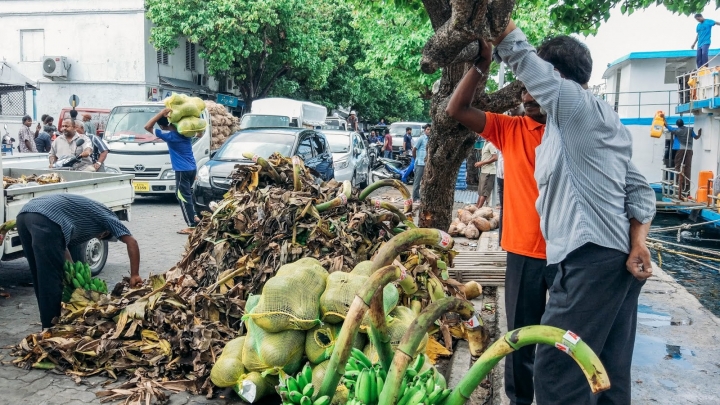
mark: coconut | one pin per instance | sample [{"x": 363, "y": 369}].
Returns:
[
  {"x": 481, "y": 224},
  {"x": 453, "y": 227},
  {"x": 460, "y": 228},
  {"x": 473, "y": 289},
  {"x": 471, "y": 208},
  {"x": 465, "y": 216},
  {"x": 493, "y": 223},
  {"x": 471, "y": 232},
  {"x": 485, "y": 212}
]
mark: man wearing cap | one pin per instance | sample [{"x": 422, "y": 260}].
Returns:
[
  {"x": 49, "y": 225},
  {"x": 352, "y": 121}
]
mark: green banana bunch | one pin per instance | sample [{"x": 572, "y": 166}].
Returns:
[
  {"x": 427, "y": 387},
  {"x": 78, "y": 275},
  {"x": 435, "y": 288},
  {"x": 299, "y": 390}
]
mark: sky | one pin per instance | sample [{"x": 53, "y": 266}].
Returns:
[{"x": 653, "y": 29}]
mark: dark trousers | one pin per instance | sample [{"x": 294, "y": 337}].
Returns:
[
  {"x": 387, "y": 154},
  {"x": 527, "y": 281},
  {"x": 501, "y": 189},
  {"x": 702, "y": 55},
  {"x": 596, "y": 297},
  {"x": 419, "y": 171},
  {"x": 183, "y": 184},
  {"x": 44, "y": 245},
  {"x": 683, "y": 164}
]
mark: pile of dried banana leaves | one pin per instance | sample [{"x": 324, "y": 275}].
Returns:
[
  {"x": 167, "y": 334},
  {"x": 33, "y": 180}
]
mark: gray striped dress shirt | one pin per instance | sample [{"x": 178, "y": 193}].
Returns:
[
  {"x": 589, "y": 188},
  {"x": 80, "y": 218}
]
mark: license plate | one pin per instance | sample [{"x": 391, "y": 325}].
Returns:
[{"x": 141, "y": 186}]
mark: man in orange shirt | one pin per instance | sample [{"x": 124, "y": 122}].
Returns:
[{"x": 528, "y": 277}]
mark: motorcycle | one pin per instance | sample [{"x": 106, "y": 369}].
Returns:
[
  {"x": 402, "y": 168},
  {"x": 67, "y": 162}
]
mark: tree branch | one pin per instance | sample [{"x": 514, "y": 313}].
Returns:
[
  {"x": 281, "y": 72},
  {"x": 439, "y": 11}
]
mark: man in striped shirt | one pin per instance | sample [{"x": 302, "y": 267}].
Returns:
[
  {"x": 48, "y": 225},
  {"x": 595, "y": 210}
]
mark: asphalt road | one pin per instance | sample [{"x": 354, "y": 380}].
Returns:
[{"x": 154, "y": 223}]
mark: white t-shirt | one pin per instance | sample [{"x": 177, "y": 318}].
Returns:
[
  {"x": 500, "y": 167},
  {"x": 487, "y": 151}
]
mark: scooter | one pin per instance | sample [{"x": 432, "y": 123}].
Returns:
[
  {"x": 67, "y": 162},
  {"x": 402, "y": 168}
]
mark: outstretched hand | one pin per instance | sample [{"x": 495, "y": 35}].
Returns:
[{"x": 484, "y": 56}]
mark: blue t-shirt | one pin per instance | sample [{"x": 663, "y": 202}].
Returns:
[
  {"x": 703, "y": 30},
  {"x": 180, "y": 147},
  {"x": 421, "y": 147}
]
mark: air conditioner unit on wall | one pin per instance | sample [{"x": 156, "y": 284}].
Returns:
[
  {"x": 55, "y": 66},
  {"x": 200, "y": 79}
]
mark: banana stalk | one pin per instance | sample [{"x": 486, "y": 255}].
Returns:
[
  {"x": 387, "y": 217},
  {"x": 389, "y": 183},
  {"x": 387, "y": 206},
  {"x": 351, "y": 326},
  {"x": 410, "y": 342},
  {"x": 297, "y": 165},
  {"x": 412, "y": 237},
  {"x": 379, "y": 333},
  {"x": 265, "y": 165},
  {"x": 341, "y": 199},
  {"x": 539, "y": 334}
]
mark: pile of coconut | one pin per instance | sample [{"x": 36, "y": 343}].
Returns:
[
  {"x": 472, "y": 221},
  {"x": 223, "y": 123}
]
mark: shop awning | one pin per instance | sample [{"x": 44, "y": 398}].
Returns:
[
  {"x": 186, "y": 85},
  {"x": 10, "y": 77}
]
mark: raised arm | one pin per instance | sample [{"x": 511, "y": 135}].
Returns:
[
  {"x": 150, "y": 124},
  {"x": 541, "y": 79},
  {"x": 460, "y": 107}
]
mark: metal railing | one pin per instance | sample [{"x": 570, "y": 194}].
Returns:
[
  {"x": 700, "y": 84},
  {"x": 641, "y": 104}
]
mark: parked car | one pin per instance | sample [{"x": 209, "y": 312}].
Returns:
[
  {"x": 397, "y": 130},
  {"x": 335, "y": 123},
  {"x": 98, "y": 118},
  {"x": 350, "y": 157},
  {"x": 212, "y": 178}
]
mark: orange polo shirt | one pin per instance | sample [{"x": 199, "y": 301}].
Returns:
[{"x": 517, "y": 138}]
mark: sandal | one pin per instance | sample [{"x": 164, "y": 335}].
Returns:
[{"x": 186, "y": 231}]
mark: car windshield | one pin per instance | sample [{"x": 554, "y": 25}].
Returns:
[
  {"x": 263, "y": 121},
  {"x": 256, "y": 143},
  {"x": 334, "y": 124},
  {"x": 399, "y": 129},
  {"x": 127, "y": 124},
  {"x": 338, "y": 143}
]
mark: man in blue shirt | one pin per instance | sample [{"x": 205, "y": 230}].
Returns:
[
  {"x": 702, "y": 39},
  {"x": 419, "y": 153},
  {"x": 183, "y": 163},
  {"x": 407, "y": 141}
]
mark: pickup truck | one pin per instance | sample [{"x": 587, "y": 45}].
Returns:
[
  {"x": 113, "y": 190},
  {"x": 25, "y": 161}
]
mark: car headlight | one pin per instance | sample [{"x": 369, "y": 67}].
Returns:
[
  {"x": 341, "y": 164},
  {"x": 203, "y": 175},
  {"x": 168, "y": 175},
  {"x": 111, "y": 170}
]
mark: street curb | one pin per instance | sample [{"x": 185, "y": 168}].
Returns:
[{"x": 498, "y": 374}]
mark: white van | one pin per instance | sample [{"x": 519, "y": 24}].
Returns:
[
  {"x": 284, "y": 112},
  {"x": 135, "y": 151}
]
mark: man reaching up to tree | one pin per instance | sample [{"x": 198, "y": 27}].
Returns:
[
  {"x": 528, "y": 276},
  {"x": 595, "y": 210}
]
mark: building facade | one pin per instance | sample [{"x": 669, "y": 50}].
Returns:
[{"x": 101, "y": 53}]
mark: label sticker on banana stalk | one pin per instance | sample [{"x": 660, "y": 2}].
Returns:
[
  {"x": 444, "y": 239},
  {"x": 255, "y": 158},
  {"x": 377, "y": 204},
  {"x": 403, "y": 272},
  {"x": 472, "y": 322},
  {"x": 562, "y": 347},
  {"x": 571, "y": 338},
  {"x": 408, "y": 202},
  {"x": 296, "y": 160},
  {"x": 343, "y": 199}
]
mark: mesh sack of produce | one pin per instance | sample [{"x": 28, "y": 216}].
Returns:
[
  {"x": 391, "y": 296},
  {"x": 291, "y": 299},
  {"x": 251, "y": 302},
  {"x": 270, "y": 353},
  {"x": 363, "y": 268},
  {"x": 339, "y": 294},
  {"x": 183, "y": 106},
  {"x": 228, "y": 368},
  {"x": 254, "y": 386},
  {"x": 398, "y": 323},
  {"x": 320, "y": 342},
  {"x": 190, "y": 126}
]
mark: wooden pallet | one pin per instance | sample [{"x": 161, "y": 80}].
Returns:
[{"x": 487, "y": 268}]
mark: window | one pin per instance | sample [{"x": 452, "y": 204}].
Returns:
[
  {"x": 32, "y": 45},
  {"x": 162, "y": 57},
  {"x": 618, "y": 76},
  {"x": 319, "y": 145},
  {"x": 229, "y": 84},
  {"x": 189, "y": 56},
  {"x": 304, "y": 149}
]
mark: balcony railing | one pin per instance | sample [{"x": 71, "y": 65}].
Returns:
[
  {"x": 699, "y": 89},
  {"x": 641, "y": 104}
]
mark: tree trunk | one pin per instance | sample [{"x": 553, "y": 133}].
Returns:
[
  {"x": 473, "y": 177},
  {"x": 450, "y": 142}
]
